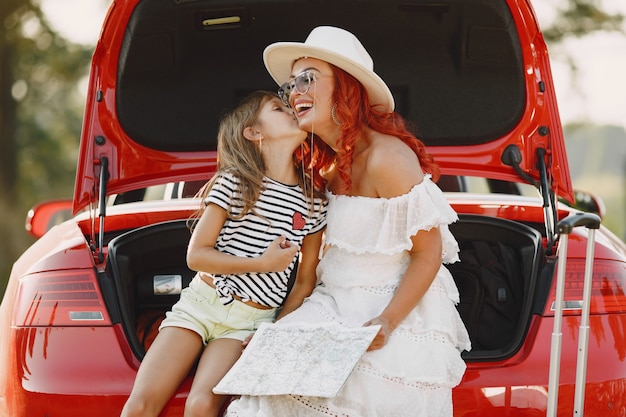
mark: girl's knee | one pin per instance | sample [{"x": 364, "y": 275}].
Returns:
[
  {"x": 204, "y": 405},
  {"x": 135, "y": 408}
]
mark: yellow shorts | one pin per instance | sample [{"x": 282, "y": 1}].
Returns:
[{"x": 200, "y": 310}]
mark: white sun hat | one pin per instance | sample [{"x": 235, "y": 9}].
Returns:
[{"x": 335, "y": 46}]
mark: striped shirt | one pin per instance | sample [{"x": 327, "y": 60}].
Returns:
[{"x": 280, "y": 210}]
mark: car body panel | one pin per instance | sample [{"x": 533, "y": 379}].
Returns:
[
  {"x": 495, "y": 391},
  {"x": 102, "y": 135},
  {"x": 60, "y": 366}
]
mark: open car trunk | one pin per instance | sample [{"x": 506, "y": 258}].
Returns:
[
  {"x": 496, "y": 310},
  {"x": 476, "y": 91},
  {"x": 457, "y": 71},
  {"x": 459, "y": 76},
  {"x": 148, "y": 269}
]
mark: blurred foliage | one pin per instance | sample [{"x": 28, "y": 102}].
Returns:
[
  {"x": 45, "y": 70},
  {"x": 575, "y": 19},
  {"x": 597, "y": 162},
  {"x": 41, "y": 107},
  {"x": 579, "y": 18},
  {"x": 40, "y": 119}
]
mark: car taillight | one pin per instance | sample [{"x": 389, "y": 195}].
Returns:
[
  {"x": 607, "y": 289},
  {"x": 59, "y": 298}
]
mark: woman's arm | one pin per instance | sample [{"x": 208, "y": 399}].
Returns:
[
  {"x": 202, "y": 255},
  {"x": 305, "y": 278},
  {"x": 423, "y": 267},
  {"x": 393, "y": 170}
]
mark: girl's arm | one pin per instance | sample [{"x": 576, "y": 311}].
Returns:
[
  {"x": 306, "y": 278},
  {"x": 202, "y": 255}
]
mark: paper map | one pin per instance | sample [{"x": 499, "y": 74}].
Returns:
[{"x": 297, "y": 358}]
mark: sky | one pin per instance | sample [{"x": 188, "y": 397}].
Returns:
[{"x": 598, "y": 94}]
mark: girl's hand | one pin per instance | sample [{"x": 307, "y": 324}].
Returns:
[
  {"x": 246, "y": 342},
  {"x": 279, "y": 255},
  {"x": 383, "y": 334}
]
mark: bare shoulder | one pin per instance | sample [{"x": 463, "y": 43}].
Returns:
[{"x": 392, "y": 166}]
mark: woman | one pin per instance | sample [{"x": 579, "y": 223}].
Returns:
[
  {"x": 387, "y": 238},
  {"x": 259, "y": 212}
]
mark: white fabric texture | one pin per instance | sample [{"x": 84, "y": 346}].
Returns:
[{"x": 414, "y": 373}]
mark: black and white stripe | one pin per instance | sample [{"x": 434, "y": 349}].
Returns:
[{"x": 251, "y": 234}]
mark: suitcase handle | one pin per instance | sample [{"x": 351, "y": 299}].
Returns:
[
  {"x": 592, "y": 222},
  {"x": 589, "y": 220}
]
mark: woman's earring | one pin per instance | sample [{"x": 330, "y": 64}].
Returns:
[{"x": 333, "y": 114}]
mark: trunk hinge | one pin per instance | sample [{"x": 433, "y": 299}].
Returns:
[
  {"x": 549, "y": 201},
  {"x": 98, "y": 250},
  {"x": 512, "y": 157}
]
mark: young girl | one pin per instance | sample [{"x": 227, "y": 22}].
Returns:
[{"x": 260, "y": 211}]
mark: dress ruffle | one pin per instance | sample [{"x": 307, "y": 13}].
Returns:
[
  {"x": 366, "y": 257},
  {"x": 386, "y": 225},
  {"x": 423, "y": 349}
]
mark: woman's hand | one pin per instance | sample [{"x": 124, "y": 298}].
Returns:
[{"x": 384, "y": 333}]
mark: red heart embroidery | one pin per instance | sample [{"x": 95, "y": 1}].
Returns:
[{"x": 298, "y": 221}]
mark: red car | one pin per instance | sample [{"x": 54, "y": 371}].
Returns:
[{"x": 473, "y": 76}]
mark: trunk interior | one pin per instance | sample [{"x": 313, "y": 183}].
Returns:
[
  {"x": 455, "y": 67},
  {"x": 496, "y": 281}
]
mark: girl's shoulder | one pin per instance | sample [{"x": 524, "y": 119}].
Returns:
[
  {"x": 223, "y": 182},
  {"x": 227, "y": 177},
  {"x": 230, "y": 174}
]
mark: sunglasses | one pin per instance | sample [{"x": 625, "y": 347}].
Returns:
[{"x": 300, "y": 83}]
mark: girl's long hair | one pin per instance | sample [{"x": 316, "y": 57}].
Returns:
[
  {"x": 355, "y": 113},
  {"x": 243, "y": 159}
]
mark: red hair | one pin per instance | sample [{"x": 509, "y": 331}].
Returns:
[
  {"x": 314, "y": 156},
  {"x": 355, "y": 113}
]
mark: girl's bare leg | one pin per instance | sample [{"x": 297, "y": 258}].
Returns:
[
  {"x": 166, "y": 364},
  {"x": 218, "y": 357}
]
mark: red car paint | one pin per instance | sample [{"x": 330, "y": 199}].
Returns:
[{"x": 63, "y": 342}]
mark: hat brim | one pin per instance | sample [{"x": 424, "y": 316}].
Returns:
[{"x": 280, "y": 57}]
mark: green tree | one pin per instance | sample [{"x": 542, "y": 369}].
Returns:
[
  {"x": 40, "y": 118},
  {"x": 41, "y": 109},
  {"x": 578, "y": 18}
]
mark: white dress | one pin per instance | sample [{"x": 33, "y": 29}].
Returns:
[{"x": 414, "y": 373}]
